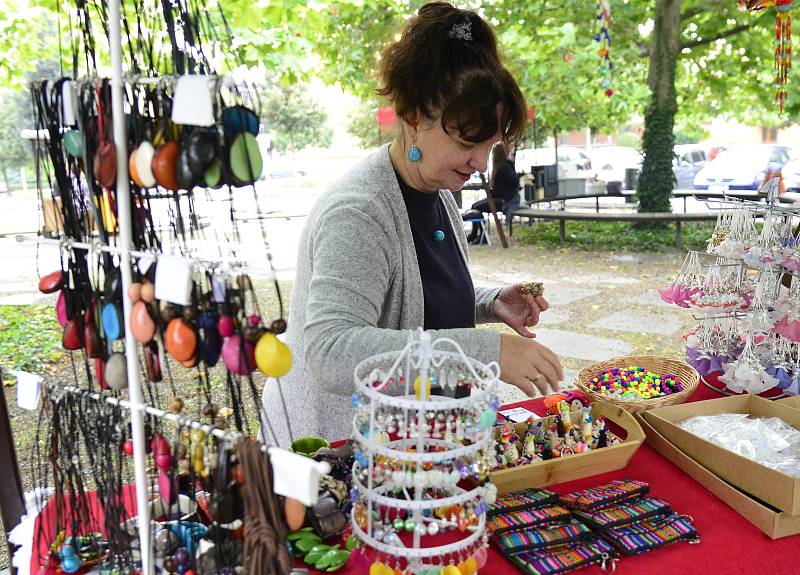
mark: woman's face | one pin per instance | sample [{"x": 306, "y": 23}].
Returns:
[{"x": 447, "y": 161}]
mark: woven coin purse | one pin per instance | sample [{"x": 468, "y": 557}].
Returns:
[
  {"x": 605, "y": 495},
  {"x": 542, "y": 538},
  {"x": 524, "y": 520},
  {"x": 651, "y": 534},
  {"x": 624, "y": 513},
  {"x": 519, "y": 500},
  {"x": 564, "y": 558}
]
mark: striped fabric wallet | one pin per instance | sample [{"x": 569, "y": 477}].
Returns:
[
  {"x": 563, "y": 559},
  {"x": 651, "y": 534},
  {"x": 542, "y": 538},
  {"x": 605, "y": 495},
  {"x": 624, "y": 513},
  {"x": 525, "y": 520},
  {"x": 519, "y": 500}
]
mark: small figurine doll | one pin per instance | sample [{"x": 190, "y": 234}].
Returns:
[
  {"x": 531, "y": 450},
  {"x": 564, "y": 411},
  {"x": 587, "y": 425},
  {"x": 554, "y": 442},
  {"x": 574, "y": 399},
  {"x": 577, "y": 401},
  {"x": 561, "y": 429},
  {"x": 602, "y": 434},
  {"x": 507, "y": 446},
  {"x": 540, "y": 432}
]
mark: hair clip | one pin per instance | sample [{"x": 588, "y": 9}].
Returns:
[{"x": 461, "y": 31}]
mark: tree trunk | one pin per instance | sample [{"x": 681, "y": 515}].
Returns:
[
  {"x": 5, "y": 179},
  {"x": 657, "y": 179}
]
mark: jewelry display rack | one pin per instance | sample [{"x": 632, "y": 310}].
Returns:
[
  {"x": 762, "y": 211},
  {"x": 135, "y": 403},
  {"x": 393, "y": 391}
]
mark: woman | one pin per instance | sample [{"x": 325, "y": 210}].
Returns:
[
  {"x": 382, "y": 251},
  {"x": 504, "y": 184}
]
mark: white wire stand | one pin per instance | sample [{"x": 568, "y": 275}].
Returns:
[
  {"x": 728, "y": 207},
  {"x": 438, "y": 442}
]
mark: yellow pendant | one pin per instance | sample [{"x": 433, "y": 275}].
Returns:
[
  {"x": 418, "y": 391},
  {"x": 273, "y": 357},
  {"x": 468, "y": 567}
]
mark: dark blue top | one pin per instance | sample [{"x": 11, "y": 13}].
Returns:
[{"x": 446, "y": 283}]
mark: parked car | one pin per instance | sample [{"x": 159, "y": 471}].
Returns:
[
  {"x": 689, "y": 159},
  {"x": 791, "y": 175},
  {"x": 573, "y": 162},
  {"x": 743, "y": 167},
  {"x": 610, "y": 163}
]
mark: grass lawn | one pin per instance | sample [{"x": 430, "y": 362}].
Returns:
[{"x": 617, "y": 236}]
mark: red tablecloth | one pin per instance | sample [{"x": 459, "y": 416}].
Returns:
[{"x": 730, "y": 544}]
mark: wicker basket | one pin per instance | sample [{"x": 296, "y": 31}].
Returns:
[{"x": 687, "y": 375}]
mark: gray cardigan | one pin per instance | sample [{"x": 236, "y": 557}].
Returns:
[{"x": 358, "y": 292}]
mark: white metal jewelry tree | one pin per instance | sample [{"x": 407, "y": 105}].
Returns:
[{"x": 414, "y": 449}]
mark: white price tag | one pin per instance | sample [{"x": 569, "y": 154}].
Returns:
[
  {"x": 518, "y": 414},
  {"x": 29, "y": 388}
]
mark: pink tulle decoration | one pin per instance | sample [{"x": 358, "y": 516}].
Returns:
[
  {"x": 758, "y": 339},
  {"x": 668, "y": 294},
  {"x": 791, "y": 264},
  {"x": 790, "y": 329},
  {"x": 683, "y": 295}
]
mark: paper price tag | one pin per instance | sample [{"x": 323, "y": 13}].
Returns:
[
  {"x": 518, "y": 414},
  {"x": 29, "y": 389}
]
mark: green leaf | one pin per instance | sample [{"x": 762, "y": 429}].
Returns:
[
  {"x": 295, "y": 535},
  {"x": 307, "y": 542},
  {"x": 327, "y": 559}
]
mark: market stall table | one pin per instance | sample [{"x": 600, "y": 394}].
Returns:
[{"x": 730, "y": 544}]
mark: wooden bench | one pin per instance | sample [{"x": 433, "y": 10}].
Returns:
[{"x": 563, "y": 216}]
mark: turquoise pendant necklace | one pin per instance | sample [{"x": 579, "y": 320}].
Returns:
[{"x": 438, "y": 235}]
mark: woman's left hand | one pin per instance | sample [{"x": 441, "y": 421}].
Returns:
[{"x": 518, "y": 310}]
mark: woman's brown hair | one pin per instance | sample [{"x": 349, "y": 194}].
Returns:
[
  {"x": 499, "y": 157},
  {"x": 446, "y": 65}
]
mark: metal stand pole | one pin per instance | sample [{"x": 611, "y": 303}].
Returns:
[
  {"x": 125, "y": 236},
  {"x": 12, "y": 503}
]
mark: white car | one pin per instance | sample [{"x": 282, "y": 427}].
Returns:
[
  {"x": 610, "y": 162},
  {"x": 743, "y": 167},
  {"x": 573, "y": 162},
  {"x": 791, "y": 176}
]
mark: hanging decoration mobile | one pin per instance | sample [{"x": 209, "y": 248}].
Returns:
[
  {"x": 783, "y": 41},
  {"x": 603, "y": 38}
]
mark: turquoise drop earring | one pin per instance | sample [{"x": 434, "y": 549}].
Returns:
[{"x": 414, "y": 153}]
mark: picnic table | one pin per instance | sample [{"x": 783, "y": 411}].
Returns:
[{"x": 563, "y": 215}]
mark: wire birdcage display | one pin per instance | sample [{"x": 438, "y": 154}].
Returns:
[{"x": 421, "y": 473}]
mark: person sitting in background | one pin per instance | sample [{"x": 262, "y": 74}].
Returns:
[{"x": 504, "y": 184}]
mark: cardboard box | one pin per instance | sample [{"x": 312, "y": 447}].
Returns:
[
  {"x": 51, "y": 209},
  {"x": 793, "y": 401},
  {"x": 552, "y": 471},
  {"x": 767, "y": 519},
  {"x": 777, "y": 489}
]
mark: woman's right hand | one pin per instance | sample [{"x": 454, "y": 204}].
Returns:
[{"x": 525, "y": 363}]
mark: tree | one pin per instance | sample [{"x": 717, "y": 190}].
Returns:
[
  {"x": 657, "y": 180},
  {"x": 295, "y": 117},
  {"x": 15, "y": 115},
  {"x": 364, "y": 125}
]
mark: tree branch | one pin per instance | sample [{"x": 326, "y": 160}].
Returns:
[
  {"x": 724, "y": 34},
  {"x": 691, "y": 13}
]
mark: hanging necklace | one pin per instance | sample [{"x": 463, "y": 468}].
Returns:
[{"x": 438, "y": 234}]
